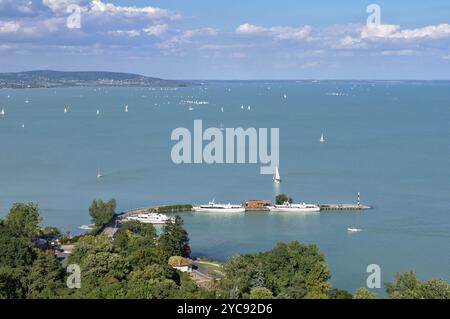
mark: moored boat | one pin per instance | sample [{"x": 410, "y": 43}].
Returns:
[
  {"x": 151, "y": 218},
  {"x": 213, "y": 207},
  {"x": 295, "y": 208}
]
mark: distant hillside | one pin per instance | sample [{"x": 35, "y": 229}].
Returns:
[{"x": 54, "y": 79}]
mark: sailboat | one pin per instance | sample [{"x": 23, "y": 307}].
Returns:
[
  {"x": 98, "y": 112},
  {"x": 242, "y": 106},
  {"x": 126, "y": 108},
  {"x": 99, "y": 175},
  {"x": 285, "y": 96},
  {"x": 221, "y": 109},
  {"x": 276, "y": 176},
  {"x": 2, "y": 112},
  {"x": 322, "y": 139},
  {"x": 65, "y": 110}
]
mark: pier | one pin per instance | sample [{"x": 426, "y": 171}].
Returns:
[{"x": 343, "y": 207}]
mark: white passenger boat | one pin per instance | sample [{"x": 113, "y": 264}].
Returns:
[
  {"x": 151, "y": 218},
  {"x": 295, "y": 208},
  {"x": 213, "y": 207}
]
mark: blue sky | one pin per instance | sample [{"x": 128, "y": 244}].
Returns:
[{"x": 217, "y": 39}]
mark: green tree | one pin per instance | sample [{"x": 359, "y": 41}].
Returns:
[
  {"x": 88, "y": 245},
  {"x": 291, "y": 270},
  {"x": 46, "y": 276},
  {"x": 363, "y": 293},
  {"x": 174, "y": 239},
  {"x": 407, "y": 286},
  {"x": 339, "y": 294},
  {"x": 101, "y": 212},
  {"x": 260, "y": 293},
  {"x": 404, "y": 286},
  {"x": 12, "y": 283},
  {"x": 14, "y": 251},
  {"x": 282, "y": 198},
  {"x": 23, "y": 220}
]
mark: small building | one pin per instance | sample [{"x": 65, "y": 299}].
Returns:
[
  {"x": 181, "y": 263},
  {"x": 257, "y": 205}
]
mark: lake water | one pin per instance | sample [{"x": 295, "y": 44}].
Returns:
[{"x": 387, "y": 140}]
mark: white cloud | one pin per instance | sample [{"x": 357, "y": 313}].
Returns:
[
  {"x": 389, "y": 31},
  {"x": 156, "y": 30},
  {"x": 60, "y": 5},
  {"x": 396, "y": 53},
  {"x": 99, "y": 7},
  {"x": 277, "y": 32},
  {"x": 128, "y": 33},
  {"x": 9, "y": 26},
  {"x": 188, "y": 37}
]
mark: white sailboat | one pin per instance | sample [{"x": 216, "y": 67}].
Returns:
[
  {"x": 65, "y": 110},
  {"x": 285, "y": 96},
  {"x": 276, "y": 176},
  {"x": 126, "y": 108},
  {"x": 322, "y": 139},
  {"x": 99, "y": 175},
  {"x": 242, "y": 106},
  {"x": 98, "y": 112},
  {"x": 2, "y": 112},
  {"x": 248, "y": 108}
]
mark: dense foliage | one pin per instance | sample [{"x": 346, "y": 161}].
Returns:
[{"x": 290, "y": 270}]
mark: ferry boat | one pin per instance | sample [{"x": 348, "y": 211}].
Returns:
[
  {"x": 212, "y": 207},
  {"x": 295, "y": 208},
  {"x": 152, "y": 218}
]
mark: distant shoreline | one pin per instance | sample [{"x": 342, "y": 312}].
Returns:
[{"x": 58, "y": 79}]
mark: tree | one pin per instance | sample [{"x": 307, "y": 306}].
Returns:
[
  {"x": 144, "y": 230},
  {"x": 260, "y": 293},
  {"x": 363, "y": 293},
  {"x": 46, "y": 276},
  {"x": 88, "y": 245},
  {"x": 154, "y": 281},
  {"x": 174, "y": 239},
  {"x": 12, "y": 283},
  {"x": 339, "y": 294},
  {"x": 101, "y": 212},
  {"x": 14, "y": 251},
  {"x": 404, "y": 286},
  {"x": 258, "y": 279},
  {"x": 282, "y": 198},
  {"x": 291, "y": 270},
  {"x": 23, "y": 220},
  {"x": 407, "y": 286}
]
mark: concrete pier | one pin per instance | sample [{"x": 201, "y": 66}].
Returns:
[{"x": 343, "y": 207}]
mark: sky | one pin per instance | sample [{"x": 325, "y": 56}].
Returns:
[{"x": 230, "y": 39}]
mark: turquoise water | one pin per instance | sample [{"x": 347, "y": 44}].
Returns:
[{"x": 389, "y": 141}]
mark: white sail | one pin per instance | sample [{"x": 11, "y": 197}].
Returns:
[
  {"x": 98, "y": 112},
  {"x": 99, "y": 175},
  {"x": 322, "y": 138},
  {"x": 276, "y": 176},
  {"x": 126, "y": 108},
  {"x": 2, "y": 112}
]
